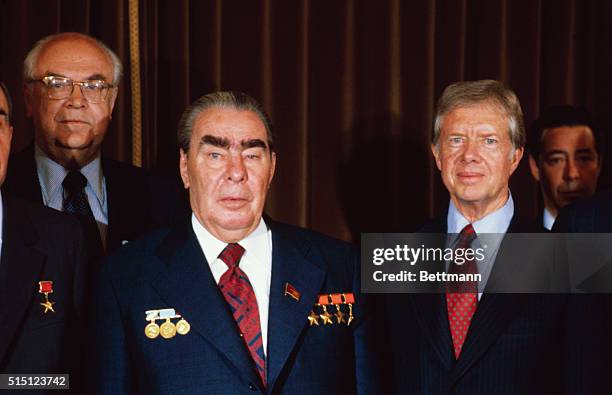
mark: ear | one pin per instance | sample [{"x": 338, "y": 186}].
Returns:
[
  {"x": 184, "y": 170},
  {"x": 436, "y": 153},
  {"x": 27, "y": 98},
  {"x": 516, "y": 159},
  {"x": 111, "y": 100},
  {"x": 272, "y": 168},
  {"x": 535, "y": 170}
]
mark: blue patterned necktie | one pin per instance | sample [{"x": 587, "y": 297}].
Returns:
[
  {"x": 238, "y": 292},
  {"x": 75, "y": 200}
]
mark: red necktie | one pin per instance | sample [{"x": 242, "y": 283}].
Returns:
[
  {"x": 238, "y": 292},
  {"x": 462, "y": 297}
]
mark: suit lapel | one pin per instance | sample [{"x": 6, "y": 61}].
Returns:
[
  {"x": 20, "y": 268},
  {"x": 115, "y": 220},
  {"x": 494, "y": 313},
  {"x": 188, "y": 286},
  {"x": 432, "y": 317},
  {"x": 22, "y": 178},
  {"x": 291, "y": 263}
]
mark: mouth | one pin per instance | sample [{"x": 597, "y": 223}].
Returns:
[
  {"x": 233, "y": 202},
  {"x": 73, "y": 121},
  {"x": 469, "y": 177}
]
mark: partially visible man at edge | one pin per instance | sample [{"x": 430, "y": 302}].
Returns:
[
  {"x": 565, "y": 157},
  {"x": 42, "y": 269},
  {"x": 71, "y": 82}
]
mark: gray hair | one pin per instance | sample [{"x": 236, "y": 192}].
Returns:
[
  {"x": 9, "y": 101},
  {"x": 32, "y": 57},
  {"x": 228, "y": 99},
  {"x": 469, "y": 93}
]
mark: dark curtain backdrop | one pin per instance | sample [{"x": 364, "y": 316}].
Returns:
[{"x": 350, "y": 85}]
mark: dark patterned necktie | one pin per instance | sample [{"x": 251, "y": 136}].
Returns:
[
  {"x": 462, "y": 297},
  {"x": 75, "y": 200},
  {"x": 238, "y": 292}
]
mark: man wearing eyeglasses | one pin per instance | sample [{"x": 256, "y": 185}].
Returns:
[{"x": 71, "y": 82}]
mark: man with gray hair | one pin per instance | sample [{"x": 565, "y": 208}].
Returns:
[
  {"x": 245, "y": 304},
  {"x": 468, "y": 339},
  {"x": 71, "y": 82}
]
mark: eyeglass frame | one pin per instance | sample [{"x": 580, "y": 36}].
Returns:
[{"x": 46, "y": 78}]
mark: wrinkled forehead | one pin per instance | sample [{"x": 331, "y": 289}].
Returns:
[
  {"x": 74, "y": 55},
  {"x": 477, "y": 117}
]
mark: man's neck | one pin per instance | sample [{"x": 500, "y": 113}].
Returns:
[{"x": 476, "y": 211}]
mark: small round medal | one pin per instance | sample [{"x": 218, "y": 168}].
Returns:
[
  {"x": 183, "y": 327},
  {"x": 167, "y": 329},
  {"x": 152, "y": 330}
]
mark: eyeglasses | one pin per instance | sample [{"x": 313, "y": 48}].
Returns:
[{"x": 58, "y": 88}]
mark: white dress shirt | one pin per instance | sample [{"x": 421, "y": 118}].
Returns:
[
  {"x": 490, "y": 231},
  {"x": 51, "y": 175},
  {"x": 548, "y": 220},
  {"x": 256, "y": 263}
]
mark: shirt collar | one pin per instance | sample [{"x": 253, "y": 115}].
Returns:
[
  {"x": 496, "y": 222},
  {"x": 212, "y": 247},
  {"x": 53, "y": 174},
  {"x": 548, "y": 220}
]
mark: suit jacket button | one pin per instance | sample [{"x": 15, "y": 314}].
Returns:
[{"x": 252, "y": 387}]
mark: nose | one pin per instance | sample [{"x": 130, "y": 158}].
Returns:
[
  {"x": 236, "y": 171},
  {"x": 470, "y": 151},
  {"x": 571, "y": 170},
  {"x": 76, "y": 98}
]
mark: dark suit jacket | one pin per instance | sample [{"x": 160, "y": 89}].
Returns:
[
  {"x": 137, "y": 201},
  {"x": 40, "y": 244},
  {"x": 168, "y": 270},
  {"x": 590, "y": 315},
  {"x": 512, "y": 347}
]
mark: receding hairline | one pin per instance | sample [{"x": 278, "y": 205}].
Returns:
[
  {"x": 47, "y": 43},
  {"x": 228, "y": 107}
]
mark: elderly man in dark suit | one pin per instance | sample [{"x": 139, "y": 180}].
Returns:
[
  {"x": 246, "y": 304},
  {"x": 41, "y": 281},
  {"x": 71, "y": 82},
  {"x": 466, "y": 339}
]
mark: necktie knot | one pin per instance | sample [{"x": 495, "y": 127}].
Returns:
[
  {"x": 466, "y": 237},
  {"x": 74, "y": 182},
  {"x": 231, "y": 254}
]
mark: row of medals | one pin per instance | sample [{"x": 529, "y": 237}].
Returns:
[
  {"x": 328, "y": 319},
  {"x": 168, "y": 329}
]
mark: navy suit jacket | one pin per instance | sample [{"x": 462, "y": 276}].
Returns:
[
  {"x": 168, "y": 270},
  {"x": 137, "y": 201},
  {"x": 514, "y": 344},
  {"x": 40, "y": 244},
  {"x": 590, "y": 322}
]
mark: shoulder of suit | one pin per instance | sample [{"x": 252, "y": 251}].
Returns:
[
  {"x": 305, "y": 234},
  {"x": 118, "y": 168},
  {"x": 43, "y": 226}
]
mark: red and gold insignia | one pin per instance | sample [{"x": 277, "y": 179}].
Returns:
[
  {"x": 292, "y": 292},
  {"x": 46, "y": 288}
]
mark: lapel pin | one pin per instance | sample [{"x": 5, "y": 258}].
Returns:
[
  {"x": 292, "y": 292},
  {"x": 46, "y": 288}
]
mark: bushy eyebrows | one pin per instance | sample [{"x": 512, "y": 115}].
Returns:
[{"x": 222, "y": 142}]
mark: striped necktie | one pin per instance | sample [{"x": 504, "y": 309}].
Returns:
[{"x": 238, "y": 292}]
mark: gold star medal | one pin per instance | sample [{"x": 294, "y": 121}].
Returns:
[
  {"x": 349, "y": 298},
  {"x": 46, "y": 288},
  {"x": 326, "y": 317},
  {"x": 313, "y": 319}
]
